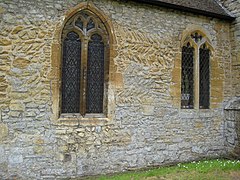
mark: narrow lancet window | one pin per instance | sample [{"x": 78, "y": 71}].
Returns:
[
  {"x": 204, "y": 79},
  {"x": 71, "y": 73},
  {"x": 187, "y": 84},
  {"x": 95, "y": 75}
]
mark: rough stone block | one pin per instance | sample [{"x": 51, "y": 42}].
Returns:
[
  {"x": 119, "y": 80},
  {"x": 17, "y": 107},
  {"x": 21, "y": 62},
  {"x": 3, "y": 131},
  {"x": 14, "y": 114},
  {"x": 38, "y": 149},
  {"x": 2, "y": 10},
  {"x": 5, "y": 42},
  {"x": 148, "y": 110},
  {"x": 3, "y": 157},
  {"x": 231, "y": 139},
  {"x": 17, "y": 29},
  {"x": 15, "y": 159}
]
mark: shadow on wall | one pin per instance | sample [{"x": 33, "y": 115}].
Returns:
[{"x": 232, "y": 127}]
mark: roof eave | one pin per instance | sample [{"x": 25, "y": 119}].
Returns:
[{"x": 187, "y": 9}]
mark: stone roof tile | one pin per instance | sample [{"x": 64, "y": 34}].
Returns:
[{"x": 205, "y": 7}]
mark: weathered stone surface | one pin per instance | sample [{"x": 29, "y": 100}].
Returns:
[
  {"x": 232, "y": 124},
  {"x": 2, "y": 10},
  {"x": 146, "y": 127},
  {"x": 15, "y": 159},
  {"x": 3, "y": 131},
  {"x": 232, "y": 112},
  {"x": 148, "y": 110},
  {"x": 17, "y": 107},
  {"x": 5, "y": 42},
  {"x": 21, "y": 63},
  {"x": 233, "y": 7}
]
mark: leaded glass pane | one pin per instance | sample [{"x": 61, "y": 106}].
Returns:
[
  {"x": 79, "y": 23},
  {"x": 90, "y": 24},
  {"x": 95, "y": 75},
  {"x": 204, "y": 78},
  {"x": 187, "y": 77},
  {"x": 71, "y": 73}
]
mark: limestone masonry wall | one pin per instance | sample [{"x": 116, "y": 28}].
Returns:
[
  {"x": 233, "y": 8},
  {"x": 147, "y": 126},
  {"x": 233, "y": 115},
  {"x": 232, "y": 126}
]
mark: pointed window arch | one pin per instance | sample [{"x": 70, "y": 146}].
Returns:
[
  {"x": 195, "y": 78},
  {"x": 85, "y": 65}
]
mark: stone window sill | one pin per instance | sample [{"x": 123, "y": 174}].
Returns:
[
  {"x": 196, "y": 113},
  {"x": 77, "y": 119}
]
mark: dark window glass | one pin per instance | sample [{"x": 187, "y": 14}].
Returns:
[
  {"x": 90, "y": 24},
  {"x": 95, "y": 75},
  {"x": 71, "y": 73},
  {"x": 187, "y": 83},
  {"x": 204, "y": 56},
  {"x": 79, "y": 23}
]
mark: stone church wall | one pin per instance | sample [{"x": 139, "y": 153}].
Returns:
[
  {"x": 233, "y": 8},
  {"x": 147, "y": 126},
  {"x": 232, "y": 126},
  {"x": 232, "y": 114}
]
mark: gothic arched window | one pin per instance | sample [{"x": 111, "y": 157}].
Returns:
[
  {"x": 85, "y": 52},
  {"x": 195, "y": 82}
]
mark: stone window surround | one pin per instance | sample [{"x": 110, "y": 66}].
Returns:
[
  {"x": 85, "y": 38},
  {"x": 196, "y": 45},
  {"x": 55, "y": 76}
]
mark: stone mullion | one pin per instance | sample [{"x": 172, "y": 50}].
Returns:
[
  {"x": 196, "y": 79},
  {"x": 83, "y": 76}
]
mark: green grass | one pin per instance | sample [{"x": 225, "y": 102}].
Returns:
[{"x": 208, "y": 169}]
